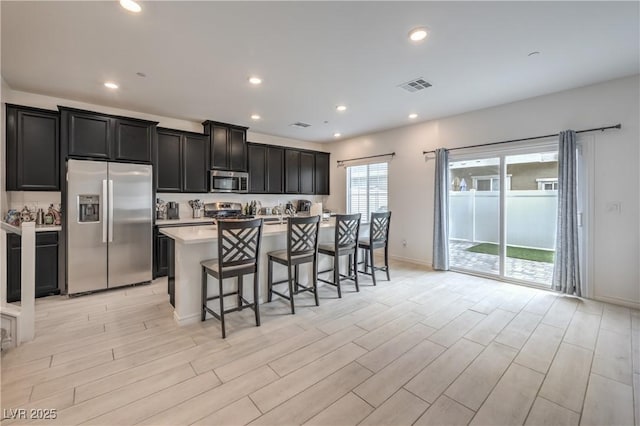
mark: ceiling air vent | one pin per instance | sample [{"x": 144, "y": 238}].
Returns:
[
  {"x": 300, "y": 124},
  {"x": 415, "y": 85}
]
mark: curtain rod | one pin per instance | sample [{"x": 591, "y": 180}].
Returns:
[
  {"x": 340, "y": 162},
  {"x": 617, "y": 126}
]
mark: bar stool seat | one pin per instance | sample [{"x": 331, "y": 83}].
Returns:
[
  {"x": 302, "y": 247},
  {"x": 238, "y": 255},
  {"x": 345, "y": 244},
  {"x": 378, "y": 238}
]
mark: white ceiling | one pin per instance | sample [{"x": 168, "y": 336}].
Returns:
[{"x": 313, "y": 56}]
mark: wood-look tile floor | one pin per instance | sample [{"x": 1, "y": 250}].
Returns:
[{"x": 427, "y": 348}]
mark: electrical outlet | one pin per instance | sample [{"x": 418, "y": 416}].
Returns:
[
  {"x": 404, "y": 243},
  {"x": 614, "y": 207}
]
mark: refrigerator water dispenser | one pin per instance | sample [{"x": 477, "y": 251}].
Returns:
[{"x": 88, "y": 208}]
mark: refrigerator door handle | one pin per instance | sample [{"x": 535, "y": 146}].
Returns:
[
  {"x": 105, "y": 212},
  {"x": 110, "y": 210}
]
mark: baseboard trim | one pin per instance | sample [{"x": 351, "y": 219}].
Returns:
[
  {"x": 411, "y": 260},
  {"x": 617, "y": 301},
  {"x": 189, "y": 319}
]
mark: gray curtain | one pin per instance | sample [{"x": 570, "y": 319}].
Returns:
[
  {"x": 566, "y": 267},
  {"x": 441, "y": 212}
]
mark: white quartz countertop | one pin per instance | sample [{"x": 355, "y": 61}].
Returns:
[
  {"x": 207, "y": 234},
  {"x": 184, "y": 221},
  {"x": 39, "y": 228}
]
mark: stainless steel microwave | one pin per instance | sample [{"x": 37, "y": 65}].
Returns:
[{"x": 223, "y": 181}]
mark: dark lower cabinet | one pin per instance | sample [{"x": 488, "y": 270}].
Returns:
[
  {"x": 33, "y": 145},
  {"x": 161, "y": 254},
  {"x": 46, "y": 265}
]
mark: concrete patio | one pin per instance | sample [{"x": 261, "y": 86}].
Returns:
[{"x": 527, "y": 270}]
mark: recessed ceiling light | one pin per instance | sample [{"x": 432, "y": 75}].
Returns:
[
  {"x": 130, "y": 5},
  {"x": 534, "y": 53},
  {"x": 110, "y": 85},
  {"x": 255, "y": 80},
  {"x": 412, "y": 116},
  {"x": 336, "y": 135},
  {"x": 341, "y": 108},
  {"x": 255, "y": 117},
  {"x": 418, "y": 34},
  {"x": 141, "y": 74}
]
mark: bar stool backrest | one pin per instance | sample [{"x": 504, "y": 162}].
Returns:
[
  {"x": 238, "y": 242},
  {"x": 302, "y": 235},
  {"x": 347, "y": 230},
  {"x": 379, "y": 231}
]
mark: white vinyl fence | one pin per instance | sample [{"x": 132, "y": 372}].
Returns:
[{"x": 531, "y": 217}]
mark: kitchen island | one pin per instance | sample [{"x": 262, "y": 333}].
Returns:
[{"x": 196, "y": 243}]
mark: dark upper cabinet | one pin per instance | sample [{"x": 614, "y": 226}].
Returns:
[
  {"x": 33, "y": 144},
  {"x": 307, "y": 172},
  {"x": 265, "y": 168},
  {"x": 107, "y": 137},
  {"x": 132, "y": 141},
  {"x": 238, "y": 148},
  {"x": 228, "y": 146},
  {"x": 322, "y": 173},
  {"x": 89, "y": 135},
  {"x": 181, "y": 161},
  {"x": 292, "y": 171},
  {"x": 46, "y": 265},
  {"x": 257, "y": 165},
  {"x": 195, "y": 150},
  {"x": 275, "y": 170},
  {"x": 168, "y": 166}
]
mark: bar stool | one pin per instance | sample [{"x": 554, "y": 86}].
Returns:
[
  {"x": 378, "y": 238},
  {"x": 302, "y": 247},
  {"x": 238, "y": 255},
  {"x": 345, "y": 243}
]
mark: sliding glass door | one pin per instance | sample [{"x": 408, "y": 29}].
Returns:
[{"x": 503, "y": 214}]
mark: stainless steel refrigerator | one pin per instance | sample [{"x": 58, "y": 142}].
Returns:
[{"x": 109, "y": 225}]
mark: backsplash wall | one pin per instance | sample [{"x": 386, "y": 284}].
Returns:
[
  {"x": 267, "y": 200},
  {"x": 32, "y": 199}
]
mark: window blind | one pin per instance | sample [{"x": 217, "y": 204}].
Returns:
[{"x": 367, "y": 189}]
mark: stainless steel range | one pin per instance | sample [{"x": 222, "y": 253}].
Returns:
[{"x": 225, "y": 211}]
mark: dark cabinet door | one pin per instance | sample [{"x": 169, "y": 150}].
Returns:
[
  {"x": 161, "y": 254},
  {"x": 219, "y": 147},
  {"x": 195, "y": 151},
  {"x": 307, "y": 172},
  {"x": 46, "y": 265},
  {"x": 275, "y": 170},
  {"x": 237, "y": 149},
  {"x": 257, "y": 159},
  {"x": 89, "y": 135},
  {"x": 13, "y": 267},
  {"x": 168, "y": 162},
  {"x": 132, "y": 141},
  {"x": 322, "y": 173},
  {"x": 33, "y": 145},
  {"x": 292, "y": 171}
]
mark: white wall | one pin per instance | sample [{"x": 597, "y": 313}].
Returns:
[{"x": 615, "y": 237}]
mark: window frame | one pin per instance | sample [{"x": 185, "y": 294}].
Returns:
[{"x": 366, "y": 215}]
